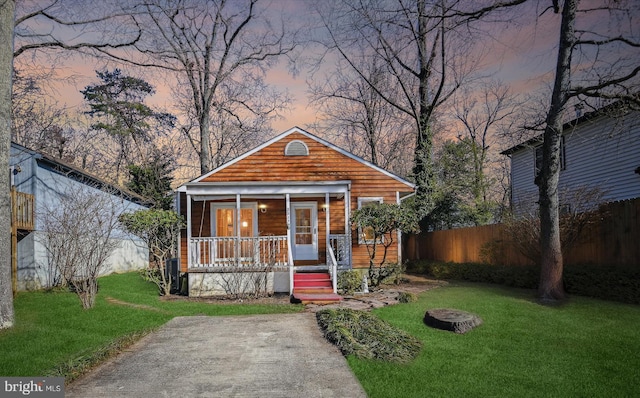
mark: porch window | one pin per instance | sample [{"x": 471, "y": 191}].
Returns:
[
  {"x": 225, "y": 226},
  {"x": 226, "y": 222},
  {"x": 365, "y": 235}
]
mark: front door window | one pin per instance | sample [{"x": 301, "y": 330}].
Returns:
[{"x": 304, "y": 225}]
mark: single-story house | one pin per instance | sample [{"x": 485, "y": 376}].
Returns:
[
  {"x": 41, "y": 183},
  {"x": 599, "y": 151},
  {"x": 281, "y": 209}
]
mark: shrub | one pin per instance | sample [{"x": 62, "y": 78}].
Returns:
[
  {"x": 603, "y": 282},
  {"x": 407, "y": 297},
  {"x": 349, "y": 281},
  {"x": 606, "y": 282},
  {"x": 366, "y": 336}
]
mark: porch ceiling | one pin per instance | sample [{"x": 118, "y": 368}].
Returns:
[{"x": 259, "y": 189}]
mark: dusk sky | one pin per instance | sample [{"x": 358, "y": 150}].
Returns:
[{"x": 521, "y": 53}]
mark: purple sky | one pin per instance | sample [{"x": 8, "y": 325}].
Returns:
[{"x": 522, "y": 55}]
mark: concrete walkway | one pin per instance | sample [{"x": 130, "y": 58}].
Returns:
[{"x": 280, "y": 355}]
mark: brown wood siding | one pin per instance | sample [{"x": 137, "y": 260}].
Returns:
[{"x": 322, "y": 164}]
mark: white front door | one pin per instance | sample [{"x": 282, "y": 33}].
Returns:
[{"x": 304, "y": 230}]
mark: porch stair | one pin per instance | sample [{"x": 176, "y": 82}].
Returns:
[{"x": 313, "y": 288}]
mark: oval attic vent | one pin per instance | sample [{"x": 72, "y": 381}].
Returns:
[{"x": 296, "y": 148}]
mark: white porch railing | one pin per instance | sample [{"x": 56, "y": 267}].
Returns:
[
  {"x": 333, "y": 268},
  {"x": 341, "y": 245},
  {"x": 256, "y": 251}
]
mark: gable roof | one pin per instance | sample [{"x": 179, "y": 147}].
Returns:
[
  {"x": 312, "y": 137},
  {"x": 538, "y": 139},
  {"x": 70, "y": 171}
]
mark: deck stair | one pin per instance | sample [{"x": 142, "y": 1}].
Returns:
[{"x": 313, "y": 288}]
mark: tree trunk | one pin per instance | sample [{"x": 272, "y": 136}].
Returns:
[
  {"x": 7, "y": 8},
  {"x": 422, "y": 168},
  {"x": 551, "y": 265},
  {"x": 205, "y": 143}
]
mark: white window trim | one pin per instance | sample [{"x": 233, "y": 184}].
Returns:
[
  {"x": 229, "y": 205},
  {"x": 362, "y": 200}
]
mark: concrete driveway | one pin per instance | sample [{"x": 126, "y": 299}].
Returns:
[{"x": 280, "y": 355}]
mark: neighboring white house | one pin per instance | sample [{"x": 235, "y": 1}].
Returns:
[
  {"x": 599, "y": 150},
  {"x": 48, "y": 180}
]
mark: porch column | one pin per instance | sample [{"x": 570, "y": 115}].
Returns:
[
  {"x": 188, "y": 231},
  {"x": 287, "y": 201},
  {"x": 327, "y": 222},
  {"x": 347, "y": 223},
  {"x": 238, "y": 226}
]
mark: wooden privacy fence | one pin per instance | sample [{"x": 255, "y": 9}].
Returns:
[{"x": 615, "y": 240}]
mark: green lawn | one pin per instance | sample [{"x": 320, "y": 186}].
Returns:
[
  {"x": 52, "y": 329},
  {"x": 586, "y": 348}
]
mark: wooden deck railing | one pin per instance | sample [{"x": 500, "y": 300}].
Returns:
[
  {"x": 243, "y": 252},
  {"x": 22, "y": 210}
]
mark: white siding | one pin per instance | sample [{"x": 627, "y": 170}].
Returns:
[
  {"x": 600, "y": 153},
  {"x": 48, "y": 187}
]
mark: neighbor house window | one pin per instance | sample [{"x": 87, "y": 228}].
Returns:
[
  {"x": 538, "y": 157},
  {"x": 365, "y": 235}
]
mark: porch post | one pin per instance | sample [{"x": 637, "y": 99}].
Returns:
[
  {"x": 347, "y": 223},
  {"x": 289, "y": 251},
  {"x": 327, "y": 224},
  {"x": 188, "y": 231},
  {"x": 238, "y": 226}
]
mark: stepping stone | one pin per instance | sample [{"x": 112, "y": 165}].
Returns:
[{"x": 452, "y": 320}]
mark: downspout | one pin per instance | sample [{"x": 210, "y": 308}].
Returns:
[{"x": 289, "y": 251}]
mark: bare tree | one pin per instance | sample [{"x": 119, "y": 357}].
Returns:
[
  {"x": 6, "y": 65},
  {"x": 220, "y": 52},
  {"x": 426, "y": 50},
  {"x": 33, "y": 112},
  {"x": 609, "y": 51},
  {"x": 581, "y": 210},
  {"x": 483, "y": 113},
  {"x": 78, "y": 232},
  {"x": 356, "y": 116},
  {"x": 102, "y": 30}
]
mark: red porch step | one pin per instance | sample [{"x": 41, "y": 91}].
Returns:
[
  {"x": 315, "y": 298},
  {"x": 313, "y": 287}
]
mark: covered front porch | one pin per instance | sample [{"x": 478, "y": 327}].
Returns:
[{"x": 267, "y": 227}]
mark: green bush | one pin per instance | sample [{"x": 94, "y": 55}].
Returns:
[
  {"x": 349, "y": 281},
  {"x": 366, "y": 336},
  {"x": 604, "y": 282},
  {"x": 407, "y": 297}
]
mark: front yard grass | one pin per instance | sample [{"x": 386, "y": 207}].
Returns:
[
  {"x": 53, "y": 335},
  {"x": 585, "y": 348}
]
